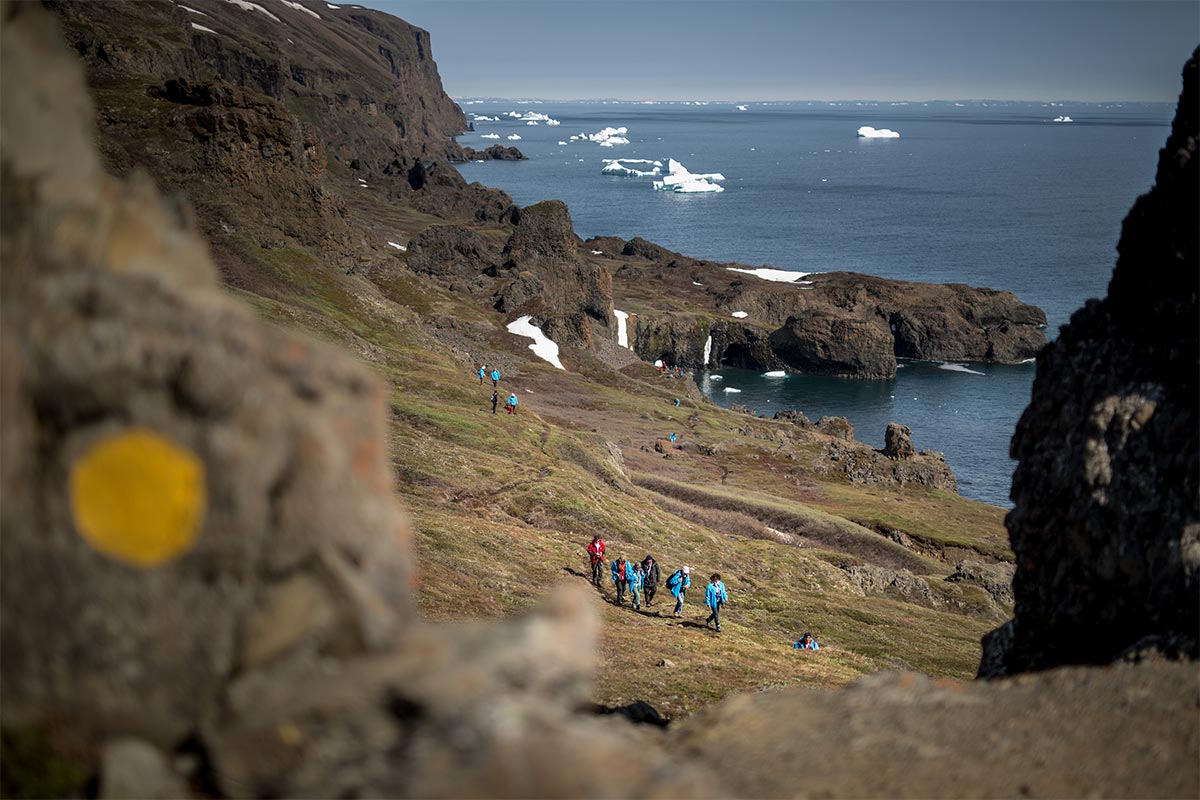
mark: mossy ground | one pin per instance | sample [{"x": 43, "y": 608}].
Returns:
[{"x": 504, "y": 506}]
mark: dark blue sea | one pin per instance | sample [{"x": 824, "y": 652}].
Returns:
[{"x": 988, "y": 194}]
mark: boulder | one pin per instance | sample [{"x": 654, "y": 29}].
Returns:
[
  {"x": 793, "y": 416},
  {"x": 897, "y": 442},
  {"x": 1106, "y": 521},
  {"x": 837, "y": 427}
]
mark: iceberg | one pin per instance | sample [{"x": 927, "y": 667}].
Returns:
[
  {"x": 716, "y": 377},
  {"x": 1063, "y": 119},
  {"x": 532, "y": 122},
  {"x": 741, "y": 108},
  {"x": 486, "y": 118},
  {"x": 617, "y": 167},
  {"x": 678, "y": 179},
  {"x": 707, "y": 349},
  {"x": 867, "y": 132},
  {"x": 489, "y": 136},
  {"x": 553, "y": 122},
  {"x": 622, "y": 331},
  {"x": 513, "y": 137},
  {"x": 542, "y": 347},
  {"x": 696, "y": 186},
  {"x": 775, "y": 373},
  {"x": 733, "y": 390},
  {"x": 768, "y": 274},
  {"x": 607, "y": 137},
  {"x": 740, "y": 314}
]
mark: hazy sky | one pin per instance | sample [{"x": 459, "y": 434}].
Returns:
[{"x": 808, "y": 50}]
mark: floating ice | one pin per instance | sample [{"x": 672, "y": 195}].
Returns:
[
  {"x": 245, "y": 5},
  {"x": 202, "y": 28},
  {"x": 553, "y": 122},
  {"x": 778, "y": 275},
  {"x": 775, "y": 373},
  {"x": 402, "y": 248},
  {"x": 514, "y": 114},
  {"x": 542, "y": 347},
  {"x": 716, "y": 377},
  {"x": 741, "y": 108},
  {"x": 867, "y": 132},
  {"x": 959, "y": 368},
  {"x": 733, "y": 390},
  {"x": 622, "y": 319},
  {"x": 678, "y": 179},
  {"x": 532, "y": 122},
  {"x": 740, "y": 314},
  {"x": 299, "y": 7},
  {"x": 617, "y": 167},
  {"x": 512, "y": 137},
  {"x": 607, "y": 137},
  {"x": 486, "y": 118},
  {"x": 560, "y": 141},
  {"x": 1063, "y": 119},
  {"x": 489, "y": 136},
  {"x": 707, "y": 349}
]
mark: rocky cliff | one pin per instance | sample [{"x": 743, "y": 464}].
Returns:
[{"x": 1106, "y": 523}]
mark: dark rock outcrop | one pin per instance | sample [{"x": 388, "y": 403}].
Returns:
[
  {"x": 1106, "y": 523},
  {"x": 837, "y": 427},
  {"x": 452, "y": 251},
  {"x": 897, "y": 442},
  {"x": 496, "y": 152},
  {"x": 834, "y": 344}
]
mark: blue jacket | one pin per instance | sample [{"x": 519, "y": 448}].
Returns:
[
  {"x": 715, "y": 593},
  {"x": 679, "y": 583},
  {"x": 812, "y": 645},
  {"x": 495, "y": 374},
  {"x": 481, "y": 372},
  {"x": 512, "y": 400},
  {"x": 616, "y": 570},
  {"x": 635, "y": 578}
]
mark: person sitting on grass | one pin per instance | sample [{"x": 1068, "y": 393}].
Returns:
[
  {"x": 715, "y": 597},
  {"x": 806, "y": 642}
]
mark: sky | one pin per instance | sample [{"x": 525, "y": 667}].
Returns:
[{"x": 897, "y": 50}]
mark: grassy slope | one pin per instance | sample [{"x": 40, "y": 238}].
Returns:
[{"x": 504, "y": 506}]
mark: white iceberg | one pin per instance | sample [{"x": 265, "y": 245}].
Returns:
[
  {"x": 716, "y": 377},
  {"x": 560, "y": 141},
  {"x": 1063, "y": 119},
  {"x": 553, "y": 122},
  {"x": 867, "y": 132},
  {"x": 959, "y": 368},
  {"x": 486, "y": 118},
  {"x": 741, "y": 108},
  {"x": 622, "y": 319},
  {"x": 696, "y": 186},
  {"x": 245, "y": 5},
  {"x": 202, "y": 28},
  {"x": 769, "y": 274},
  {"x": 618, "y": 167},
  {"x": 489, "y": 136},
  {"x": 740, "y": 314},
  {"x": 512, "y": 137},
  {"x": 532, "y": 122},
  {"x": 733, "y": 390},
  {"x": 678, "y": 179},
  {"x": 299, "y": 7},
  {"x": 607, "y": 137},
  {"x": 775, "y": 373},
  {"x": 542, "y": 347}
]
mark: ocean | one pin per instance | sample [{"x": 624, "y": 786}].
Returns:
[{"x": 983, "y": 193}]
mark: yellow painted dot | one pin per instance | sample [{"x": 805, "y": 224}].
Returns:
[{"x": 138, "y": 497}]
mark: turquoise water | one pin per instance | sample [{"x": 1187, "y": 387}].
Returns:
[{"x": 994, "y": 195}]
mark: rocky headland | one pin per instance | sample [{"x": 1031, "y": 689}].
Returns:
[{"x": 258, "y": 616}]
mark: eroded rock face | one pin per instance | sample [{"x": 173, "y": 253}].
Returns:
[
  {"x": 1106, "y": 527},
  {"x": 897, "y": 442},
  {"x": 835, "y": 344}
]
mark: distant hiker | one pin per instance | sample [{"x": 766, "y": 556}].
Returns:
[
  {"x": 672, "y": 437},
  {"x": 715, "y": 597},
  {"x": 636, "y": 579},
  {"x": 678, "y": 583},
  {"x": 651, "y": 577},
  {"x": 495, "y": 397},
  {"x": 482, "y": 372},
  {"x": 620, "y": 576},
  {"x": 596, "y": 553},
  {"x": 495, "y": 377},
  {"x": 676, "y": 399},
  {"x": 806, "y": 642},
  {"x": 661, "y": 367},
  {"x": 679, "y": 373},
  {"x": 512, "y": 403}
]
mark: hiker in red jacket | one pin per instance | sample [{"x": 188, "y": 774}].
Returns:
[{"x": 596, "y": 552}]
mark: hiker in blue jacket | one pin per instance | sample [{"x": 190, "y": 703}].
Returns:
[
  {"x": 715, "y": 596},
  {"x": 496, "y": 377},
  {"x": 512, "y": 403},
  {"x": 678, "y": 583},
  {"x": 806, "y": 642},
  {"x": 620, "y": 574},
  {"x": 482, "y": 372},
  {"x": 636, "y": 580}
]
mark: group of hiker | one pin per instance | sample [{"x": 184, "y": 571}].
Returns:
[
  {"x": 641, "y": 580},
  {"x": 494, "y": 374},
  {"x": 669, "y": 371}
]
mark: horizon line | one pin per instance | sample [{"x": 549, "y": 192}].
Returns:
[{"x": 533, "y": 99}]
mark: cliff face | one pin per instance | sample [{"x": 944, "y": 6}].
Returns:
[{"x": 1106, "y": 526}]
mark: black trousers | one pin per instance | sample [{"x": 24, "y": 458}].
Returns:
[
  {"x": 621, "y": 587},
  {"x": 597, "y": 571},
  {"x": 650, "y": 590}
]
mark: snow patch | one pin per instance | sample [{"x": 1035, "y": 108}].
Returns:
[
  {"x": 707, "y": 349},
  {"x": 512, "y": 137},
  {"x": 775, "y": 373},
  {"x": 542, "y": 347},
  {"x": 867, "y": 132},
  {"x": 299, "y": 7},
  {"x": 695, "y": 283},
  {"x": 622, "y": 319},
  {"x": 768, "y": 274},
  {"x": 402, "y": 248},
  {"x": 740, "y": 314},
  {"x": 246, "y": 5},
  {"x": 194, "y": 11},
  {"x": 202, "y": 28},
  {"x": 959, "y": 368}
]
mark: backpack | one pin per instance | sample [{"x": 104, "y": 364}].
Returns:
[{"x": 675, "y": 579}]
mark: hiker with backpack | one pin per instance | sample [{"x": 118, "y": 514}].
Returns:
[
  {"x": 620, "y": 576},
  {"x": 512, "y": 404},
  {"x": 482, "y": 372},
  {"x": 495, "y": 398},
  {"x": 650, "y": 578},
  {"x": 678, "y": 583},
  {"x": 715, "y": 597},
  {"x": 636, "y": 578},
  {"x": 495, "y": 377},
  {"x": 596, "y": 554}
]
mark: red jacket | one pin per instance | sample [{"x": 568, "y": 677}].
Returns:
[{"x": 596, "y": 550}]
